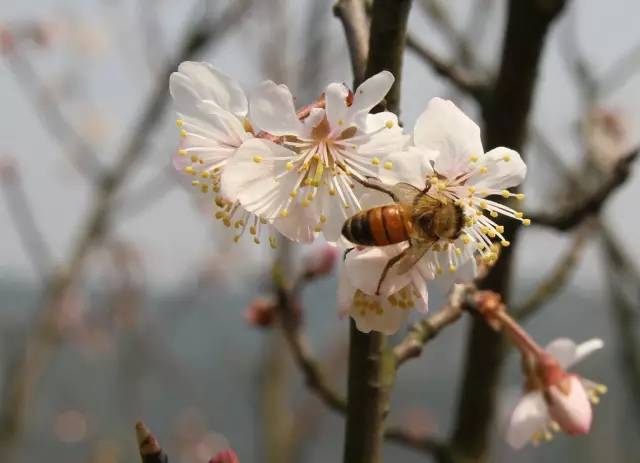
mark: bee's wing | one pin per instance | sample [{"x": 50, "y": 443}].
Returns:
[{"x": 413, "y": 254}]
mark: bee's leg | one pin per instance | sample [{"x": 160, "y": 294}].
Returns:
[
  {"x": 374, "y": 186},
  {"x": 387, "y": 267},
  {"x": 347, "y": 251}
]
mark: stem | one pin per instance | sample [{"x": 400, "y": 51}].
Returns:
[
  {"x": 371, "y": 376},
  {"x": 520, "y": 337}
]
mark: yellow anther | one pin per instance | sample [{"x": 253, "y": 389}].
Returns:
[
  {"x": 472, "y": 189},
  {"x": 257, "y": 159},
  {"x": 219, "y": 215},
  {"x": 182, "y": 152},
  {"x": 284, "y": 213},
  {"x": 204, "y": 188},
  {"x": 204, "y": 174},
  {"x": 493, "y": 214},
  {"x": 310, "y": 196},
  {"x": 263, "y": 221},
  {"x": 474, "y": 158},
  {"x": 293, "y": 193},
  {"x": 505, "y": 193},
  {"x": 439, "y": 271},
  {"x": 305, "y": 203},
  {"x": 252, "y": 230},
  {"x": 500, "y": 229},
  {"x": 491, "y": 233},
  {"x": 183, "y": 133},
  {"x": 195, "y": 183},
  {"x": 505, "y": 243},
  {"x": 483, "y": 170},
  {"x": 179, "y": 123},
  {"x": 506, "y": 158},
  {"x": 520, "y": 196},
  {"x": 484, "y": 204},
  {"x": 219, "y": 201},
  {"x": 236, "y": 238},
  {"x": 194, "y": 158},
  {"x": 340, "y": 122},
  {"x": 458, "y": 252},
  {"x": 519, "y": 215},
  {"x": 317, "y": 228},
  {"x": 466, "y": 239},
  {"x": 289, "y": 165},
  {"x": 526, "y": 222},
  {"x": 189, "y": 170},
  {"x": 388, "y": 165},
  {"x": 332, "y": 191},
  {"x": 226, "y": 222},
  {"x": 388, "y": 124},
  {"x": 323, "y": 218},
  {"x": 375, "y": 161},
  {"x": 272, "y": 242},
  {"x": 601, "y": 389}
]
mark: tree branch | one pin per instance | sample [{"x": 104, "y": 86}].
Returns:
[
  {"x": 428, "y": 328},
  {"x": 433, "y": 447},
  {"x": 150, "y": 450},
  {"x": 591, "y": 204},
  {"x": 355, "y": 23},
  {"x": 458, "y": 77},
  {"x": 557, "y": 278}
]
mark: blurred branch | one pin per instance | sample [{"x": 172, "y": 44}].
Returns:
[
  {"x": 150, "y": 450},
  {"x": 355, "y": 23},
  {"x": 428, "y": 328},
  {"x": 558, "y": 277},
  {"x": 438, "y": 450},
  {"x": 33, "y": 241},
  {"x": 591, "y": 204},
  {"x": 457, "y": 76},
  {"x": 506, "y": 119},
  {"x": 620, "y": 72},
  {"x": 44, "y": 336},
  {"x": 49, "y": 110}
]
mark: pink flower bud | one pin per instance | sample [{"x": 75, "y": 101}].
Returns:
[
  {"x": 569, "y": 405},
  {"x": 321, "y": 260},
  {"x": 226, "y": 456},
  {"x": 260, "y": 312}
]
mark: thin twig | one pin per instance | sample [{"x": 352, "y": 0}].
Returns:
[
  {"x": 426, "y": 444},
  {"x": 457, "y": 76},
  {"x": 592, "y": 204},
  {"x": 558, "y": 277},
  {"x": 428, "y": 328}
]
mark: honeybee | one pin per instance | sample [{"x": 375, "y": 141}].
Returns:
[{"x": 416, "y": 217}]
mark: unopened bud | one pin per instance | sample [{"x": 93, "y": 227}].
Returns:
[
  {"x": 261, "y": 312},
  {"x": 226, "y": 456},
  {"x": 321, "y": 260}
]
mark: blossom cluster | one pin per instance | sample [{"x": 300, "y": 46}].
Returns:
[
  {"x": 302, "y": 173},
  {"x": 309, "y": 172}
]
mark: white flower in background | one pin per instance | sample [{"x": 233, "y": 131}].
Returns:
[
  {"x": 555, "y": 400},
  {"x": 213, "y": 124},
  {"x": 308, "y": 170},
  {"x": 385, "y": 313},
  {"x": 447, "y": 157}
]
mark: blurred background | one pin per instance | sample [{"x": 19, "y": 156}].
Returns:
[{"x": 122, "y": 298}]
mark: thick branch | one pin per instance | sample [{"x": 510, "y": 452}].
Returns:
[
  {"x": 557, "y": 278},
  {"x": 426, "y": 329},
  {"x": 457, "y": 76},
  {"x": 506, "y": 120},
  {"x": 591, "y": 204},
  {"x": 386, "y": 44},
  {"x": 355, "y": 23}
]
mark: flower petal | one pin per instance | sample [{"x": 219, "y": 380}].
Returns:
[
  {"x": 271, "y": 109},
  {"x": 371, "y": 92},
  {"x": 443, "y": 127},
  {"x": 569, "y": 406},
  {"x": 196, "y": 82},
  {"x": 254, "y": 183},
  {"x": 378, "y": 315},
  {"x": 568, "y": 353},
  {"x": 299, "y": 224},
  {"x": 411, "y": 166},
  {"x": 505, "y": 169},
  {"x": 336, "y": 104},
  {"x": 364, "y": 268},
  {"x": 529, "y": 416}
]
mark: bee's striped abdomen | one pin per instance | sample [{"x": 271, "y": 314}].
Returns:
[{"x": 377, "y": 227}]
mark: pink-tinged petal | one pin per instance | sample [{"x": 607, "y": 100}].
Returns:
[
  {"x": 504, "y": 169},
  {"x": 529, "y": 416},
  {"x": 249, "y": 177},
  {"x": 569, "y": 406},
  {"x": 313, "y": 119},
  {"x": 271, "y": 109},
  {"x": 371, "y": 92},
  {"x": 568, "y": 353},
  {"x": 411, "y": 166},
  {"x": 226, "y": 456},
  {"x": 364, "y": 268},
  {"x": 444, "y": 128},
  {"x": 195, "y": 82},
  {"x": 336, "y": 105}
]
